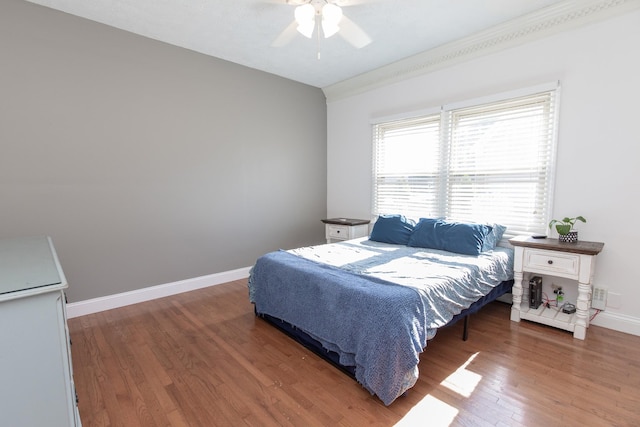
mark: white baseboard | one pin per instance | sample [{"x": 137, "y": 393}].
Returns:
[
  {"x": 618, "y": 322},
  {"x": 95, "y": 305}
]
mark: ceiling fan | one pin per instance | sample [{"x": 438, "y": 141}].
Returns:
[{"x": 322, "y": 16}]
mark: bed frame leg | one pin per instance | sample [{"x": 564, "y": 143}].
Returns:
[{"x": 465, "y": 331}]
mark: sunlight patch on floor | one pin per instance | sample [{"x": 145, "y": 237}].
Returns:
[
  {"x": 434, "y": 410},
  {"x": 438, "y": 414},
  {"x": 463, "y": 381}
]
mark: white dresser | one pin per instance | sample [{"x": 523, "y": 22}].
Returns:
[{"x": 36, "y": 386}]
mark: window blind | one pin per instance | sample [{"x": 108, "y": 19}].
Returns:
[
  {"x": 491, "y": 162},
  {"x": 407, "y": 166}
]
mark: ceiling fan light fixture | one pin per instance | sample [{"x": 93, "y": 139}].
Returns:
[
  {"x": 331, "y": 16},
  {"x": 306, "y": 18}
]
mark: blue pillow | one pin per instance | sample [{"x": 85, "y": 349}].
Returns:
[
  {"x": 458, "y": 237},
  {"x": 493, "y": 237},
  {"x": 424, "y": 234},
  {"x": 464, "y": 238},
  {"x": 394, "y": 229}
]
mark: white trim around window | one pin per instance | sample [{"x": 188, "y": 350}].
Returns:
[{"x": 490, "y": 159}]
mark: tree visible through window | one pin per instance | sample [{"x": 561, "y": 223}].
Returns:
[{"x": 482, "y": 162}]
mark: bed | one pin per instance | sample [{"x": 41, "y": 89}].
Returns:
[{"x": 371, "y": 306}]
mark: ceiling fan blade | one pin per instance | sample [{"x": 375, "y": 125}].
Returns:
[
  {"x": 285, "y": 36},
  {"x": 352, "y": 33}
]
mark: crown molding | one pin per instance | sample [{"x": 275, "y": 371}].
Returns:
[{"x": 545, "y": 22}]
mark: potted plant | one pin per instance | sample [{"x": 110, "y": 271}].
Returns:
[{"x": 565, "y": 230}]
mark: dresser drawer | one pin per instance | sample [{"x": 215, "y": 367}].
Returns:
[
  {"x": 337, "y": 231},
  {"x": 552, "y": 262}
]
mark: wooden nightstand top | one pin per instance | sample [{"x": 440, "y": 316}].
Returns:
[
  {"x": 579, "y": 247},
  {"x": 346, "y": 221}
]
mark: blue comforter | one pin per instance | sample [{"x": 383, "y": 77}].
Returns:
[{"x": 375, "y": 305}]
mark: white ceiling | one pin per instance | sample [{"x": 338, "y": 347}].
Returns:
[{"x": 242, "y": 31}]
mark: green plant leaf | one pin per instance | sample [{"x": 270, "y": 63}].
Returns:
[{"x": 566, "y": 225}]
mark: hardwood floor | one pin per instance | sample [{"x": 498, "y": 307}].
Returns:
[{"x": 203, "y": 359}]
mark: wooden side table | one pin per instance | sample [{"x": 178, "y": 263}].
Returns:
[
  {"x": 339, "y": 229},
  {"x": 550, "y": 257}
]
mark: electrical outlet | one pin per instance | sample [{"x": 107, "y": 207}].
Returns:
[{"x": 599, "y": 298}]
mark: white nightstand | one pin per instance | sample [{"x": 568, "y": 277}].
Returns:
[
  {"x": 553, "y": 258},
  {"x": 338, "y": 229}
]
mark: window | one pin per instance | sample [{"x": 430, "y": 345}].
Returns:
[{"x": 483, "y": 161}]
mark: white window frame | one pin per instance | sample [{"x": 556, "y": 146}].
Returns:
[{"x": 398, "y": 198}]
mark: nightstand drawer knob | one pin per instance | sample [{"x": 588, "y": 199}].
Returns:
[{"x": 550, "y": 261}]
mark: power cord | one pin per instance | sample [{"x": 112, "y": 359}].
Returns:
[
  {"x": 548, "y": 303},
  {"x": 566, "y": 307},
  {"x": 552, "y": 303}
]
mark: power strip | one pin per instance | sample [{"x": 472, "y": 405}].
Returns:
[{"x": 599, "y": 298}]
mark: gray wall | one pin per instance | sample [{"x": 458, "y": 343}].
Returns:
[{"x": 147, "y": 163}]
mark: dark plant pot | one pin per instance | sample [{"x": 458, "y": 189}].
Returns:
[{"x": 570, "y": 237}]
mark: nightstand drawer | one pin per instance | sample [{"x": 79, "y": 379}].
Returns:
[
  {"x": 552, "y": 262},
  {"x": 337, "y": 231}
]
